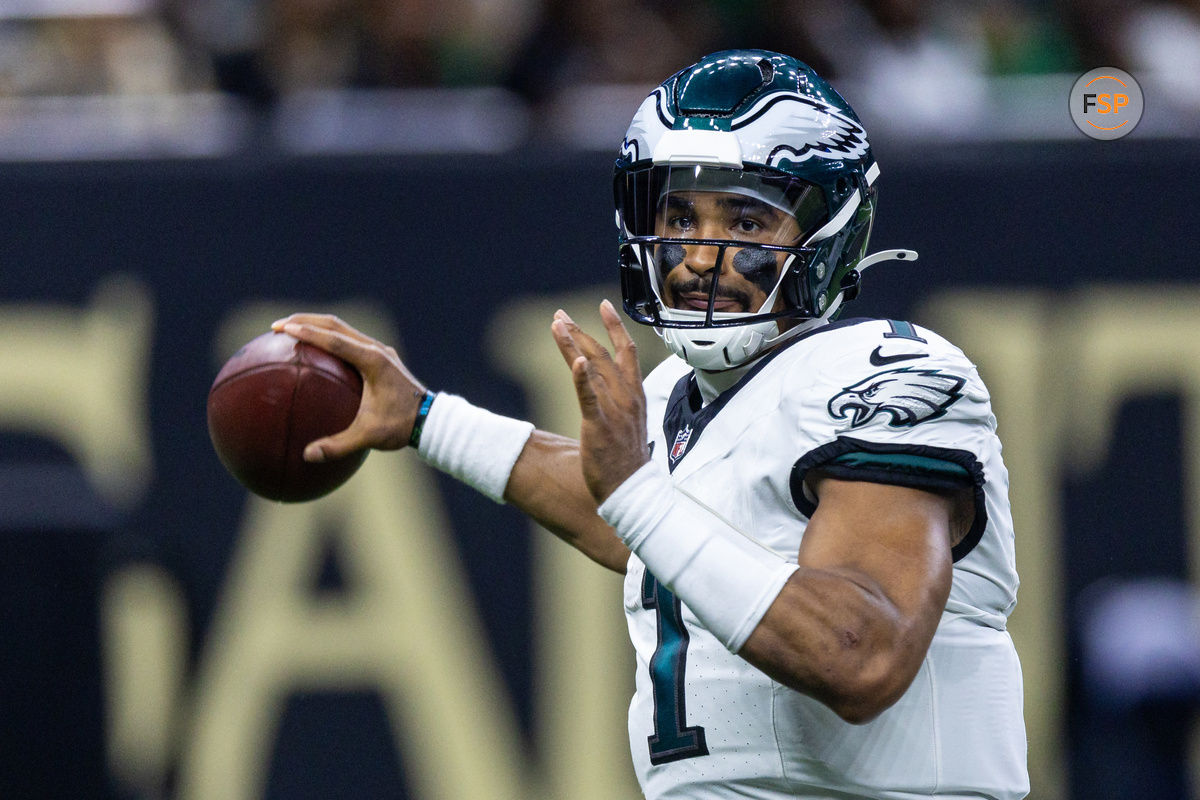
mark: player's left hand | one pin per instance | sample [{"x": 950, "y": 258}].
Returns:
[{"x": 612, "y": 440}]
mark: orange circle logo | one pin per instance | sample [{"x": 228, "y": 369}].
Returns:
[{"x": 1106, "y": 103}]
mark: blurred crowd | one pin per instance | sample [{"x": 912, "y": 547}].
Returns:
[{"x": 263, "y": 49}]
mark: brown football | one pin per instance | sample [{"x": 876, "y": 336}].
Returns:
[{"x": 274, "y": 396}]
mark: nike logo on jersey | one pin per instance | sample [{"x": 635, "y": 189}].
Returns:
[
  {"x": 878, "y": 359},
  {"x": 909, "y": 396}
]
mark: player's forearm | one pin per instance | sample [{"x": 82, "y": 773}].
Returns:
[
  {"x": 852, "y": 625},
  {"x": 840, "y": 639},
  {"x": 547, "y": 484},
  {"x": 509, "y": 461},
  {"x": 830, "y": 627}
]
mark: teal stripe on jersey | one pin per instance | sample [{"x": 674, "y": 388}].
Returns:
[{"x": 906, "y": 463}]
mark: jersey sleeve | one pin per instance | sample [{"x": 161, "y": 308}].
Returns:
[{"x": 907, "y": 410}]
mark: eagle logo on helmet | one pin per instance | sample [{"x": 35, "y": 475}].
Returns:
[
  {"x": 827, "y": 134},
  {"x": 909, "y": 396},
  {"x": 795, "y": 126},
  {"x": 815, "y": 129}
]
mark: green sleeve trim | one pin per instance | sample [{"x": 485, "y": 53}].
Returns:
[
  {"x": 917, "y": 466},
  {"x": 906, "y": 463}
]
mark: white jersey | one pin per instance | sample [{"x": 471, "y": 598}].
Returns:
[{"x": 865, "y": 399}]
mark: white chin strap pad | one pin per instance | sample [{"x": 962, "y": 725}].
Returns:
[{"x": 714, "y": 349}]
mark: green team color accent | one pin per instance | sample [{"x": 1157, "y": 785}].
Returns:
[
  {"x": 725, "y": 84},
  {"x": 907, "y": 463},
  {"x": 902, "y": 330},
  {"x": 673, "y": 739}
]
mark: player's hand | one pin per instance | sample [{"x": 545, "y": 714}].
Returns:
[
  {"x": 613, "y": 436},
  {"x": 391, "y": 394}
]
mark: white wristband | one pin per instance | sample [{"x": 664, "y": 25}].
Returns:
[
  {"x": 727, "y": 579},
  {"x": 473, "y": 444}
]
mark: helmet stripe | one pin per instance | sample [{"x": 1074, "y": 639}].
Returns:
[
  {"x": 843, "y": 216},
  {"x": 768, "y": 102}
]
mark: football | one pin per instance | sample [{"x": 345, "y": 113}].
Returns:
[{"x": 270, "y": 399}]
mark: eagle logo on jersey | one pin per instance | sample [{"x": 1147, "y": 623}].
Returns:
[{"x": 908, "y": 395}]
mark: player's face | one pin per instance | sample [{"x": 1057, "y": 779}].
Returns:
[{"x": 746, "y": 275}]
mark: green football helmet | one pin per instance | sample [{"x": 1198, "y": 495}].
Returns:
[{"x": 765, "y": 127}]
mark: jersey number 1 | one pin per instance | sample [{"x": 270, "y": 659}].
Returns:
[{"x": 673, "y": 739}]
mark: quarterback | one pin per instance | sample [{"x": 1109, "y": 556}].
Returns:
[{"x": 810, "y": 511}]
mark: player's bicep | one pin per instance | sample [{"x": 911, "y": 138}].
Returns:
[
  {"x": 960, "y": 501},
  {"x": 892, "y": 539}
]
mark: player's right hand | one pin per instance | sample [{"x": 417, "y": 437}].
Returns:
[
  {"x": 391, "y": 394},
  {"x": 612, "y": 437}
]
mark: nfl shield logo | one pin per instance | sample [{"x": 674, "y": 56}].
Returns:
[{"x": 681, "y": 443}]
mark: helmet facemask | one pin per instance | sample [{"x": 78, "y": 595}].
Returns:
[{"x": 738, "y": 234}]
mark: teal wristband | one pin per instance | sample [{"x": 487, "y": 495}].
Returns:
[{"x": 414, "y": 440}]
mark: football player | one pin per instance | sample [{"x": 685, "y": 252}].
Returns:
[{"x": 811, "y": 513}]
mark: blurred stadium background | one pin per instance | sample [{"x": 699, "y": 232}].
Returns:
[{"x": 174, "y": 174}]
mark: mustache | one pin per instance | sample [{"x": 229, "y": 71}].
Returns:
[{"x": 703, "y": 285}]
